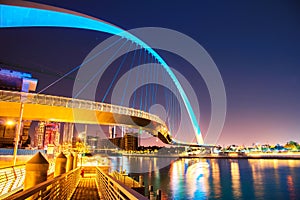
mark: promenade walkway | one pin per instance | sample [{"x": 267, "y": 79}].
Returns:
[{"x": 86, "y": 189}]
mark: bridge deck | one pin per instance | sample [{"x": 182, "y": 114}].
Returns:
[{"x": 86, "y": 189}]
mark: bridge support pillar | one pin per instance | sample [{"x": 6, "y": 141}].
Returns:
[
  {"x": 141, "y": 180},
  {"x": 70, "y": 161},
  {"x": 75, "y": 160},
  {"x": 151, "y": 193},
  {"x": 158, "y": 194},
  {"x": 60, "y": 164},
  {"x": 36, "y": 170}
]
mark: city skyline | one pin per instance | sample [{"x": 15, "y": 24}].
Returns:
[{"x": 254, "y": 46}]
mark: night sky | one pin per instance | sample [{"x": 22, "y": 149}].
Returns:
[{"x": 255, "y": 45}]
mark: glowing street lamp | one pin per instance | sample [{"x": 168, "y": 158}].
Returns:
[{"x": 10, "y": 123}]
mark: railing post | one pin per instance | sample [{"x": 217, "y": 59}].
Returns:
[
  {"x": 70, "y": 161},
  {"x": 75, "y": 160},
  {"x": 60, "y": 164},
  {"x": 158, "y": 194},
  {"x": 36, "y": 170},
  {"x": 151, "y": 193},
  {"x": 141, "y": 180}
]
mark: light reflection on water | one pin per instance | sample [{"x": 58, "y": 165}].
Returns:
[
  {"x": 235, "y": 179},
  {"x": 216, "y": 178}
]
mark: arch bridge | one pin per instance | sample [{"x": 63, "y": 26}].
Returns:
[
  {"x": 42, "y": 107},
  {"x": 29, "y": 14}
]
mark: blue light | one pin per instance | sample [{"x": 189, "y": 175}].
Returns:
[{"x": 18, "y": 16}]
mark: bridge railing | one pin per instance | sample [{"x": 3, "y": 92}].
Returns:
[
  {"x": 112, "y": 189},
  {"x": 32, "y": 98},
  {"x": 12, "y": 178},
  {"x": 61, "y": 187}
]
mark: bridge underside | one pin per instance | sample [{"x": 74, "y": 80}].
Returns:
[{"x": 37, "y": 112}]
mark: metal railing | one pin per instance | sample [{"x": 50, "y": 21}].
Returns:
[
  {"x": 33, "y": 98},
  {"x": 113, "y": 189},
  {"x": 61, "y": 187},
  {"x": 12, "y": 178},
  {"x": 125, "y": 179}
]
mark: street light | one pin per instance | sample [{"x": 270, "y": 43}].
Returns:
[{"x": 10, "y": 123}]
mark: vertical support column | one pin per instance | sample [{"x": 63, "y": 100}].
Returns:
[
  {"x": 114, "y": 132},
  {"x": 151, "y": 193},
  {"x": 158, "y": 194},
  {"x": 85, "y": 134},
  {"x": 60, "y": 164},
  {"x": 18, "y": 131},
  {"x": 70, "y": 161},
  {"x": 75, "y": 160},
  {"x": 68, "y": 134},
  {"x": 141, "y": 180},
  {"x": 122, "y": 131},
  {"x": 36, "y": 170}
]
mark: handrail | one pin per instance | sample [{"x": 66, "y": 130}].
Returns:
[
  {"x": 33, "y": 98},
  {"x": 113, "y": 189},
  {"x": 125, "y": 179},
  {"x": 12, "y": 178},
  {"x": 61, "y": 187}
]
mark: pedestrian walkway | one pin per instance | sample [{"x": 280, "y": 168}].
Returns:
[{"x": 86, "y": 189}]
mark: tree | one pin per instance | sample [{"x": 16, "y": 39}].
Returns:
[{"x": 292, "y": 146}]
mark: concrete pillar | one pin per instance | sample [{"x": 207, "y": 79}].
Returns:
[
  {"x": 36, "y": 170},
  {"x": 75, "y": 160},
  {"x": 158, "y": 194},
  {"x": 141, "y": 180},
  {"x": 70, "y": 161},
  {"x": 151, "y": 193},
  {"x": 60, "y": 164}
]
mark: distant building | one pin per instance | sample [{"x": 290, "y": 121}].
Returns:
[
  {"x": 92, "y": 141},
  {"x": 68, "y": 133},
  {"x": 129, "y": 142},
  {"x": 16, "y": 81},
  {"x": 8, "y": 133},
  {"x": 117, "y": 142},
  {"x": 51, "y": 134},
  {"x": 47, "y": 135},
  {"x": 39, "y": 135},
  {"x": 106, "y": 144}
]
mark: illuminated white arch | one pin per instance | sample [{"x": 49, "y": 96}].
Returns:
[{"x": 28, "y": 14}]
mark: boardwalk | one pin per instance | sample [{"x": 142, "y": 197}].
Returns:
[{"x": 86, "y": 189}]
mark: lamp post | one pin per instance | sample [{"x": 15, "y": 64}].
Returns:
[{"x": 18, "y": 131}]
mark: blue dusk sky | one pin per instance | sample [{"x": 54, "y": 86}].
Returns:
[{"x": 255, "y": 45}]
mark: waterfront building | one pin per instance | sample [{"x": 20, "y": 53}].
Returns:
[
  {"x": 8, "y": 133},
  {"x": 17, "y": 81},
  {"x": 131, "y": 142},
  {"x": 47, "y": 135},
  {"x": 128, "y": 143},
  {"x": 92, "y": 141},
  {"x": 68, "y": 133}
]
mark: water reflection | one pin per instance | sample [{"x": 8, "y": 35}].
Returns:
[
  {"x": 235, "y": 179},
  {"x": 189, "y": 179},
  {"x": 291, "y": 187},
  {"x": 196, "y": 180},
  {"x": 217, "y": 178},
  {"x": 215, "y": 172}
]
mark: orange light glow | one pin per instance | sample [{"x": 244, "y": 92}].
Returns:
[{"x": 10, "y": 123}]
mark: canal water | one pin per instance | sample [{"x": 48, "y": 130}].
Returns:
[{"x": 216, "y": 178}]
